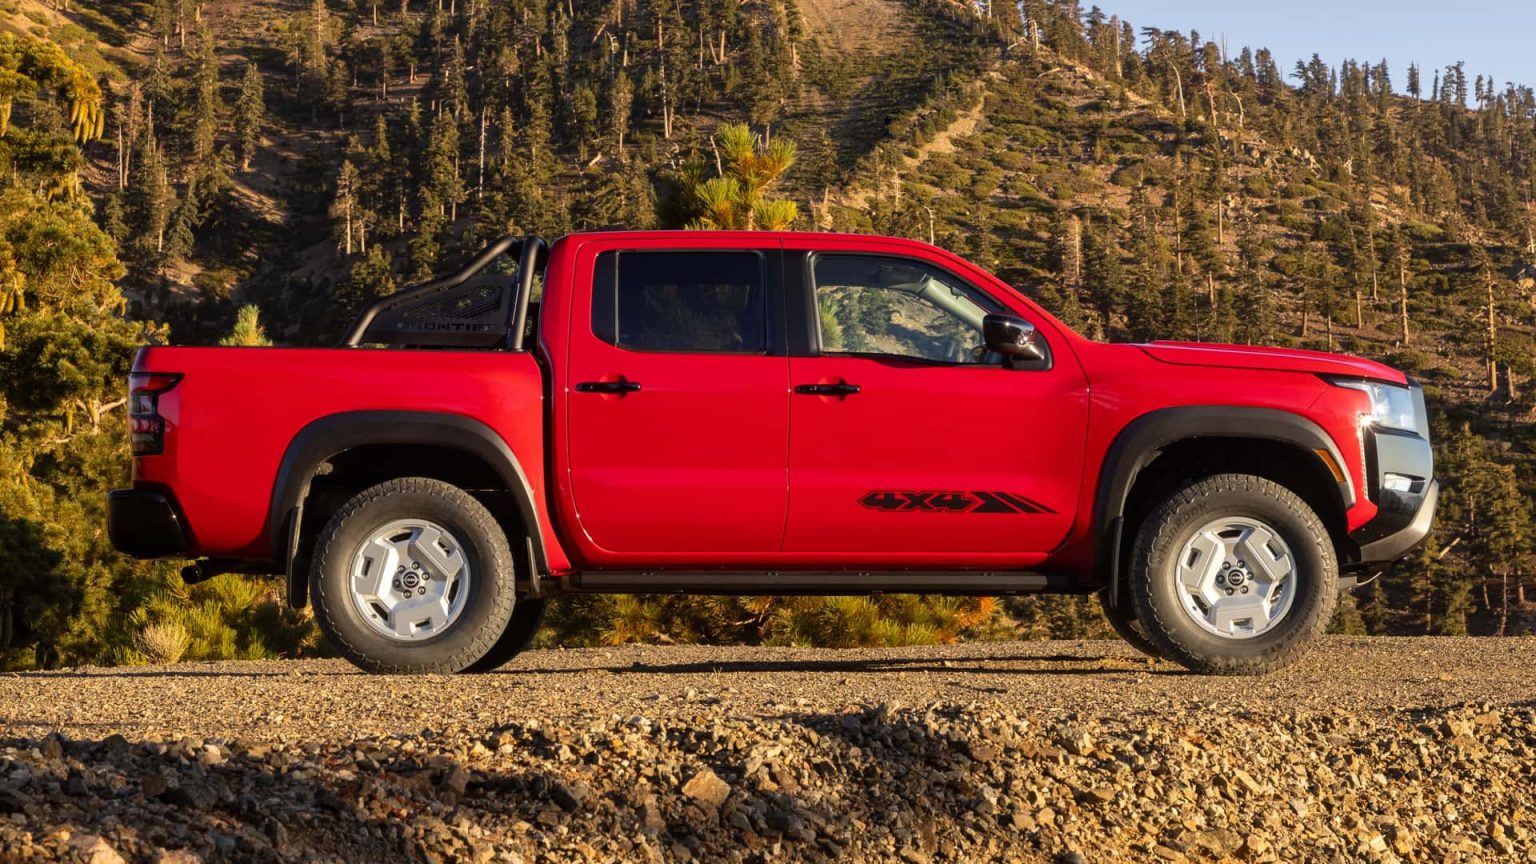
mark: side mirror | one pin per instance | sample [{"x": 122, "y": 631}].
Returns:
[{"x": 1017, "y": 340}]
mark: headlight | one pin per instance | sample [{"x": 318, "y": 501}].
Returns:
[{"x": 1391, "y": 405}]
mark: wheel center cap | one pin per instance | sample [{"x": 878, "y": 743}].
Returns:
[
  {"x": 1237, "y": 577},
  {"x": 411, "y": 580}
]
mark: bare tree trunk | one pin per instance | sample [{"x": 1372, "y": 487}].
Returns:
[
  {"x": 1402, "y": 301},
  {"x": 480, "y": 162},
  {"x": 1178, "y": 79},
  {"x": 1493, "y": 338}
]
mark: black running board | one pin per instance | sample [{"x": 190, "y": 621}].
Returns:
[{"x": 954, "y": 582}]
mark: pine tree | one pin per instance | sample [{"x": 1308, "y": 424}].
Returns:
[
  {"x": 247, "y": 332},
  {"x": 620, "y": 101},
  {"x": 250, "y": 114},
  {"x": 345, "y": 208},
  {"x": 1103, "y": 277},
  {"x": 734, "y": 198},
  {"x": 443, "y": 182},
  {"x": 153, "y": 197}
]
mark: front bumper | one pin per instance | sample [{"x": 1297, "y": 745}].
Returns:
[
  {"x": 145, "y": 524},
  {"x": 1400, "y": 480}
]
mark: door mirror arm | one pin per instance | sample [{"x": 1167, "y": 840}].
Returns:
[{"x": 1021, "y": 345}]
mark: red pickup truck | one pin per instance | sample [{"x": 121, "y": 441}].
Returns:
[{"x": 768, "y": 413}]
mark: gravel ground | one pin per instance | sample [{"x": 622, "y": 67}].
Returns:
[{"x": 1369, "y": 750}]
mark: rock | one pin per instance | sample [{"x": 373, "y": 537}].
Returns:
[
  {"x": 706, "y": 787},
  {"x": 650, "y": 817},
  {"x": 92, "y": 849},
  {"x": 1246, "y": 780},
  {"x": 454, "y": 783},
  {"x": 569, "y": 796},
  {"x": 154, "y": 784},
  {"x": 1218, "y": 842},
  {"x": 176, "y": 856},
  {"x": 789, "y": 824},
  {"x": 1075, "y": 740},
  {"x": 192, "y": 794},
  {"x": 1098, "y": 795},
  {"x": 984, "y": 751},
  {"x": 52, "y": 747},
  {"x": 1255, "y": 846},
  {"x": 1453, "y": 727}
]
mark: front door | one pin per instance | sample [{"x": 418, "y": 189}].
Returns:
[
  {"x": 678, "y": 409},
  {"x": 910, "y": 444}
]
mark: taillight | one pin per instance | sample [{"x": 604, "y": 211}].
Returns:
[{"x": 146, "y": 427}]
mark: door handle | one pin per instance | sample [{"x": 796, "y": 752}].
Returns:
[
  {"x": 618, "y": 387},
  {"x": 839, "y": 390}
]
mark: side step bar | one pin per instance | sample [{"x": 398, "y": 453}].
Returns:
[{"x": 954, "y": 582}]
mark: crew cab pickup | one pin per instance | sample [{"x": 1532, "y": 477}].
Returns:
[{"x": 768, "y": 413}]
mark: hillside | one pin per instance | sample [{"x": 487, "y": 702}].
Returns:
[{"x": 300, "y": 157}]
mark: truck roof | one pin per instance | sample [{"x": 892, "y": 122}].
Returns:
[{"x": 752, "y": 237}]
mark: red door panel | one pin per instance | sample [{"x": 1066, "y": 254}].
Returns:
[
  {"x": 673, "y": 456},
  {"x": 933, "y": 461},
  {"x": 909, "y": 442}
]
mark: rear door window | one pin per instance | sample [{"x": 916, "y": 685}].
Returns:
[{"x": 681, "y": 301}]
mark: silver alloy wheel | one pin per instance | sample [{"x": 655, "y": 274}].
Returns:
[
  {"x": 1236, "y": 577},
  {"x": 409, "y": 580}
]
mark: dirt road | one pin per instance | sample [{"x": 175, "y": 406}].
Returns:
[{"x": 1371, "y": 749}]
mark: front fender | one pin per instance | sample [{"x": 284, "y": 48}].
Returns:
[{"x": 1140, "y": 441}]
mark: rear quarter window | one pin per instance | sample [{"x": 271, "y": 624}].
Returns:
[{"x": 681, "y": 301}]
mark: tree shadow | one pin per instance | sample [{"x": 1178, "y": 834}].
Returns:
[
  {"x": 989, "y": 665},
  {"x": 133, "y": 672}
]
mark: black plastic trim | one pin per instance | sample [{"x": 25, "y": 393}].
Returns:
[
  {"x": 1146, "y": 436},
  {"x": 146, "y": 524},
  {"x": 334, "y": 434},
  {"x": 836, "y": 582},
  {"x": 1403, "y": 516},
  {"x": 1390, "y": 547},
  {"x": 358, "y": 331}
]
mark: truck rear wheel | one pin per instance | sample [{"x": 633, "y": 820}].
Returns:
[
  {"x": 413, "y": 575},
  {"x": 1233, "y": 575}
]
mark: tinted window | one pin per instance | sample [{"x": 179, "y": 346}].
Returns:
[
  {"x": 869, "y": 304},
  {"x": 680, "y": 301}
]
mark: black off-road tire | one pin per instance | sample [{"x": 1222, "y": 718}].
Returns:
[
  {"x": 1123, "y": 620},
  {"x": 526, "y": 619},
  {"x": 492, "y": 585},
  {"x": 1153, "y": 574}
]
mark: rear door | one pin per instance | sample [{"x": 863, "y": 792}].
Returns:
[
  {"x": 678, "y": 406},
  {"x": 909, "y": 443}
]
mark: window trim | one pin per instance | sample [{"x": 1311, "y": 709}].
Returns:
[
  {"x": 769, "y": 306},
  {"x": 813, "y": 308}
]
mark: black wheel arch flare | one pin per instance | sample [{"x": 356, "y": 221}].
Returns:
[
  {"x": 1144, "y": 438},
  {"x": 329, "y": 436}
]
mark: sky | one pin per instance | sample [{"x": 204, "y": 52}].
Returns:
[{"x": 1495, "y": 37}]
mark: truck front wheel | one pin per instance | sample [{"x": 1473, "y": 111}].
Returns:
[
  {"x": 1233, "y": 575},
  {"x": 413, "y": 575},
  {"x": 1122, "y": 617}
]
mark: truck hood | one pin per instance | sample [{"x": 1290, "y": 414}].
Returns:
[{"x": 1277, "y": 359}]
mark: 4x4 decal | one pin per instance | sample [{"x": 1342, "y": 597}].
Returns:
[{"x": 951, "y": 502}]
